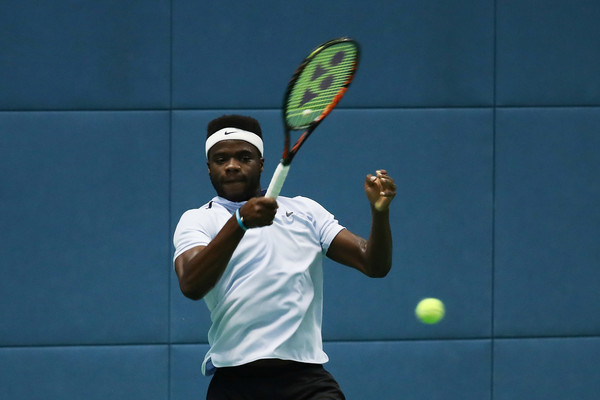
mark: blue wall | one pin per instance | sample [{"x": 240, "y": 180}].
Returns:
[{"x": 487, "y": 113}]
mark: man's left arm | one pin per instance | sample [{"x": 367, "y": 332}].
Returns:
[{"x": 373, "y": 257}]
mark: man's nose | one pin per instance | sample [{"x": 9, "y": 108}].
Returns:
[{"x": 232, "y": 163}]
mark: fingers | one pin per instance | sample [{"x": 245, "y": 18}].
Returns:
[
  {"x": 382, "y": 181},
  {"x": 387, "y": 185},
  {"x": 259, "y": 211},
  {"x": 380, "y": 189}
]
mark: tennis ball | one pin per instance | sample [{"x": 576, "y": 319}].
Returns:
[{"x": 430, "y": 310}]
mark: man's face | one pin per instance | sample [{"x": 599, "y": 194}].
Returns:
[{"x": 234, "y": 167}]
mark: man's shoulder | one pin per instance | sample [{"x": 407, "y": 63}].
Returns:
[
  {"x": 206, "y": 209},
  {"x": 301, "y": 203}
]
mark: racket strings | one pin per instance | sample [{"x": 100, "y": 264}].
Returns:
[{"x": 318, "y": 85}]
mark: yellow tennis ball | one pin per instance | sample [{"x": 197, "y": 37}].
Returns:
[{"x": 430, "y": 310}]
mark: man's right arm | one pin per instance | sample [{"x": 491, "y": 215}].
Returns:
[{"x": 200, "y": 268}]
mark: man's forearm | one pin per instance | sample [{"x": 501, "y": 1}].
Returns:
[
  {"x": 199, "y": 269},
  {"x": 379, "y": 245}
]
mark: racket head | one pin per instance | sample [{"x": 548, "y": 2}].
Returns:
[{"x": 317, "y": 86}]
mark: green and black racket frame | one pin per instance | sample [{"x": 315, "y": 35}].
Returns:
[{"x": 316, "y": 87}]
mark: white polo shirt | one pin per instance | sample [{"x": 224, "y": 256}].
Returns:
[{"x": 269, "y": 301}]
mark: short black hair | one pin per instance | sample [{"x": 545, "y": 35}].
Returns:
[{"x": 234, "y": 121}]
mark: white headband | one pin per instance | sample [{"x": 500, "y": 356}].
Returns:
[{"x": 234, "y": 134}]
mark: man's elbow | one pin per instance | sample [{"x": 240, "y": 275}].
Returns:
[
  {"x": 378, "y": 274},
  {"x": 378, "y": 271},
  {"x": 190, "y": 292}
]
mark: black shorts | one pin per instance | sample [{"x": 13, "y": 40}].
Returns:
[{"x": 277, "y": 381}]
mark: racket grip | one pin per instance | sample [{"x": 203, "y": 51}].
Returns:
[{"x": 277, "y": 181}]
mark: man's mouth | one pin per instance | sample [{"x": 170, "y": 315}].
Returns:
[{"x": 233, "y": 181}]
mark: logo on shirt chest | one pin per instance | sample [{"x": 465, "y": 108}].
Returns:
[{"x": 287, "y": 217}]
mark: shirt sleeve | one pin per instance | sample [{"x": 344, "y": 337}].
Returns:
[
  {"x": 327, "y": 227},
  {"x": 190, "y": 232}
]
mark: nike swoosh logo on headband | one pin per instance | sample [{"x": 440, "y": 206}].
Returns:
[{"x": 227, "y": 133}]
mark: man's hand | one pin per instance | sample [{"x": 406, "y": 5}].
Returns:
[
  {"x": 259, "y": 211},
  {"x": 380, "y": 190}
]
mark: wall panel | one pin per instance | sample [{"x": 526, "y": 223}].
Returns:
[
  {"x": 81, "y": 55},
  {"x": 547, "y": 222},
  {"x": 227, "y": 56},
  {"x": 84, "y": 210},
  {"x": 540, "y": 369},
  {"x": 425, "y": 370},
  {"x": 547, "y": 53},
  {"x": 94, "y": 373}
]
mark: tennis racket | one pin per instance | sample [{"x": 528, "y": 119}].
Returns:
[{"x": 314, "y": 90}]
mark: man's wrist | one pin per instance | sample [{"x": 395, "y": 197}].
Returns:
[{"x": 240, "y": 220}]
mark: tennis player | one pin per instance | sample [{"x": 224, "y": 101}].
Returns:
[{"x": 257, "y": 263}]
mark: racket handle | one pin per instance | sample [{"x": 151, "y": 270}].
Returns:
[{"x": 277, "y": 181}]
